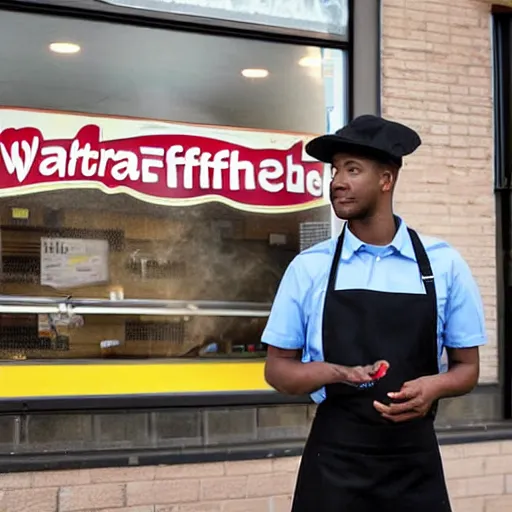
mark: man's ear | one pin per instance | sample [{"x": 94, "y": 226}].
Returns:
[
  {"x": 389, "y": 175},
  {"x": 387, "y": 179}
]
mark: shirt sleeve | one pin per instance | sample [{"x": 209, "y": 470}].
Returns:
[
  {"x": 465, "y": 320},
  {"x": 286, "y": 326}
]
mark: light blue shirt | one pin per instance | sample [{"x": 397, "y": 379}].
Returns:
[{"x": 295, "y": 320}]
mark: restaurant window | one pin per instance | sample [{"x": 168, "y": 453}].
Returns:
[{"x": 154, "y": 186}]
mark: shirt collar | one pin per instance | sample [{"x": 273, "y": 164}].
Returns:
[{"x": 401, "y": 243}]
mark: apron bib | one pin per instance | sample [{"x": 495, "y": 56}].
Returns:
[{"x": 354, "y": 460}]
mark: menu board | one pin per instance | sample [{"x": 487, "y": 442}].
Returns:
[{"x": 73, "y": 262}]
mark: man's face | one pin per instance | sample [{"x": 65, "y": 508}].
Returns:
[{"x": 358, "y": 185}]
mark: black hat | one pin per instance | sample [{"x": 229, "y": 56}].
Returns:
[{"x": 369, "y": 136}]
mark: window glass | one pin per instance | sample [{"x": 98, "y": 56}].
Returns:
[{"x": 107, "y": 254}]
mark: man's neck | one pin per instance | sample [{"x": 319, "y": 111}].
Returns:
[{"x": 377, "y": 230}]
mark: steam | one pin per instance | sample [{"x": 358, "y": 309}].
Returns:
[{"x": 221, "y": 264}]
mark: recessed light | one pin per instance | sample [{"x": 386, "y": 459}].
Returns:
[
  {"x": 255, "y": 73},
  {"x": 67, "y": 48},
  {"x": 310, "y": 62}
]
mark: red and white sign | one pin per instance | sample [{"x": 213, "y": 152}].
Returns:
[{"x": 157, "y": 162}]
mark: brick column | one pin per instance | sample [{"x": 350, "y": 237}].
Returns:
[{"x": 436, "y": 67}]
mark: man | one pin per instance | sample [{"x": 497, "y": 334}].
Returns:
[{"x": 360, "y": 323}]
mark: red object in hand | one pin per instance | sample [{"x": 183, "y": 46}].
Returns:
[{"x": 381, "y": 372}]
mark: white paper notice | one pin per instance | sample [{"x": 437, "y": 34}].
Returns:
[{"x": 72, "y": 262}]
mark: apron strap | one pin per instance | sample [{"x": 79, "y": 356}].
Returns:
[
  {"x": 331, "y": 284},
  {"x": 427, "y": 276}
]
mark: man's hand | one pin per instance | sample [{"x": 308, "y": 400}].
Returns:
[
  {"x": 416, "y": 397},
  {"x": 361, "y": 374}
]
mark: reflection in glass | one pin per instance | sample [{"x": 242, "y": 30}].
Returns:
[
  {"x": 128, "y": 337},
  {"x": 328, "y": 16}
]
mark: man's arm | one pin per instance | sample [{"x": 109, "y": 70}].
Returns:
[
  {"x": 285, "y": 372},
  {"x": 464, "y": 332},
  {"x": 462, "y": 374},
  {"x": 285, "y": 335}
]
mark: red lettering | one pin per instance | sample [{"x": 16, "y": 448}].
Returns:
[{"x": 168, "y": 169}]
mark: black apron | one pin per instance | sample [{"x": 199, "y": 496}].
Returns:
[{"x": 354, "y": 460}]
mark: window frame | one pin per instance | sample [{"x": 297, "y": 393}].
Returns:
[
  {"x": 242, "y": 383},
  {"x": 502, "y": 80}
]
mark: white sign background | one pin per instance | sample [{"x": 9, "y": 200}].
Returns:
[{"x": 73, "y": 262}]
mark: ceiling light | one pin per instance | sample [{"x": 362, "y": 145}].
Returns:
[
  {"x": 66, "y": 48},
  {"x": 255, "y": 73},
  {"x": 310, "y": 62}
]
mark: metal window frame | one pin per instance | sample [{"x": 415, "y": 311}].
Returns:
[
  {"x": 502, "y": 82},
  {"x": 101, "y": 11}
]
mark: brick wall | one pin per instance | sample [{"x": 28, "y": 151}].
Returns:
[
  {"x": 479, "y": 478},
  {"x": 436, "y": 75}
]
